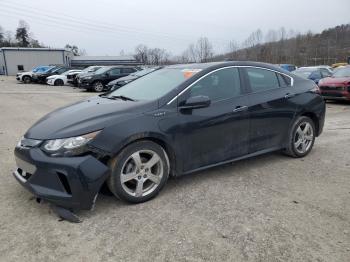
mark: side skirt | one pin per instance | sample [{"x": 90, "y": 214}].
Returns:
[{"x": 261, "y": 152}]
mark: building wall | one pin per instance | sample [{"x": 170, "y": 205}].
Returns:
[
  {"x": 32, "y": 58},
  {"x": 2, "y": 64}
]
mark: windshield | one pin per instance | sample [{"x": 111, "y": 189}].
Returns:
[
  {"x": 142, "y": 72},
  {"x": 342, "y": 72},
  {"x": 41, "y": 69},
  {"x": 305, "y": 73},
  {"x": 91, "y": 69},
  {"x": 102, "y": 70},
  {"x": 155, "y": 85}
]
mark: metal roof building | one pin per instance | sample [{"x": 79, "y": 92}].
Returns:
[
  {"x": 83, "y": 61},
  {"x": 14, "y": 60}
]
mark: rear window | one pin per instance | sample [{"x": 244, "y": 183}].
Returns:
[
  {"x": 128, "y": 70},
  {"x": 262, "y": 79}
]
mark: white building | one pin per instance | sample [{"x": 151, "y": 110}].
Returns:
[{"x": 14, "y": 60}]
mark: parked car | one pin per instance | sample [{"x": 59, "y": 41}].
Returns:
[
  {"x": 99, "y": 79},
  {"x": 339, "y": 64},
  {"x": 26, "y": 77},
  {"x": 336, "y": 87},
  {"x": 73, "y": 79},
  {"x": 313, "y": 73},
  {"x": 62, "y": 79},
  {"x": 115, "y": 84},
  {"x": 177, "y": 120},
  {"x": 288, "y": 67},
  {"x": 41, "y": 77}
]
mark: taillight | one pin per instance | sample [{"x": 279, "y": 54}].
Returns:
[{"x": 316, "y": 90}]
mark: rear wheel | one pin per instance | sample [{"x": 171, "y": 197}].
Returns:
[
  {"x": 98, "y": 86},
  {"x": 139, "y": 172},
  {"x": 26, "y": 79},
  {"x": 301, "y": 138},
  {"x": 59, "y": 82}
]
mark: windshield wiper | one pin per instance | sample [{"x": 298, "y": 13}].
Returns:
[{"x": 124, "y": 98}]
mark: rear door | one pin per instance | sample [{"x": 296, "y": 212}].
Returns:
[
  {"x": 113, "y": 74},
  {"x": 271, "y": 107},
  {"x": 127, "y": 71}
]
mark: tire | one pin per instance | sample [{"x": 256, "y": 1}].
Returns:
[
  {"x": 98, "y": 86},
  {"x": 26, "y": 79},
  {"x": 301, "y": 137},
  {"x": 58, "y": 82},
  {"x": 136, "y": 179}
]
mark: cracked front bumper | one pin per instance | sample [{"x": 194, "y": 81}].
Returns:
[{"x": 69, "y": 182}]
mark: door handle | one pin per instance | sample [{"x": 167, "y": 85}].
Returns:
[
  {"x": 240, "y": 109},
  {"x": 289, "y": 95}
]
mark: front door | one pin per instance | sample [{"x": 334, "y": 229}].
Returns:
[{"x": 218, "y": 132}]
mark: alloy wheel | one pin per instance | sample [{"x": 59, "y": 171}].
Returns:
[
  {"x": 142, "y": 173},
  {"x": 303, "y": 137},
  {"x": 98, "y": 87}
]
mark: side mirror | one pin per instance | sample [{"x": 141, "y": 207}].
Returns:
[
  {"x": 196, "y": 102},
  {"x": 107, "y": 74}
]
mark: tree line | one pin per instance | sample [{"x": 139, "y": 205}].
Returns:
[
  {"x": 279, "y": 46},
  {"x": 275, "y": 46}
]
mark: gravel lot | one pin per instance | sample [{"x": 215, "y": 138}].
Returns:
[{"x": 269, "y": 208}]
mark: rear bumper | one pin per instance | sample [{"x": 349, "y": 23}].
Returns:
[{"x": 69, "y": 182}]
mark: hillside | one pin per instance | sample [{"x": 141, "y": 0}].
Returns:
[{"x": 328, "y": 47}]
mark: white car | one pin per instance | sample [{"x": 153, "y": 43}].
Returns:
[
  {"x": 26, "y": 77},
  {"x": 60, "y": 80}
]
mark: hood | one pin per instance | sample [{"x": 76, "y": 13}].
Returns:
[
  {"x": 335, "y": 81},
  {"x": 53, "y": 76},
  {"x": 22, "y": 73},
  {"x": 86, "y": 116}
]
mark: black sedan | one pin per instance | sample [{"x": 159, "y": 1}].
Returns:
[
  {"x": 115, "y": 84},
  {"x": 177, "y": 120},
  {"x": 97, "y": 81}
]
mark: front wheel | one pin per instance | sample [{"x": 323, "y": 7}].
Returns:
[
  {"x": 301, "y": 138},
  {"x": 59, "y": 82},
  {"x": 26, "y": 79},
  {"x": 139, "y": 172},
  {"x": 98, "y": 86}
]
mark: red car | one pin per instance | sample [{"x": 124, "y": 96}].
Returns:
[{"x": 336, "y": 87}]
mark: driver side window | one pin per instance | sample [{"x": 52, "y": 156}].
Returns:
[{"x": 222, "y": 84}]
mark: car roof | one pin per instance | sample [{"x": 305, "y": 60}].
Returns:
[{"x": 214, "y": 65}]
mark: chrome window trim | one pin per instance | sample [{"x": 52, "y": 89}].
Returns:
[{"x": 259, "y": 67}]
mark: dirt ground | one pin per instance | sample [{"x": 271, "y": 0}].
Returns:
[{"x": 268, "y": 208}]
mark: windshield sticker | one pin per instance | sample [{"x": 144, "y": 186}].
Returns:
[{"x": 190, "y": 72}]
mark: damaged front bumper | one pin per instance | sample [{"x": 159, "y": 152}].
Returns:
[{"x": 69, "y": 182}]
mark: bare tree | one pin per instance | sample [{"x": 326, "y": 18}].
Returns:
[
  {"x": 204, "y": 49},
  {"x": 232, "y": 49},
  {"x": 141, "y": 54}
]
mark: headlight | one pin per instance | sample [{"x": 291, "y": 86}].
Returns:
[
  {"x": 88, "y": 77},
  {"x": 68, "y": 146}
]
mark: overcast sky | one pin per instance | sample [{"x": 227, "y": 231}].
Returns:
[{"x": 105, "y": 27}]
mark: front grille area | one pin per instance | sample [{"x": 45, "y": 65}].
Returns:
[
  {"x": 337, "y": 88},
  {"x": 332, "y": 94}
]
